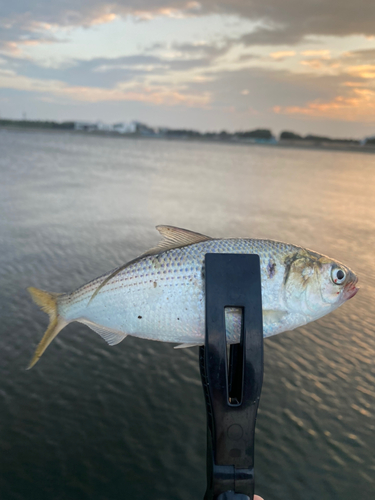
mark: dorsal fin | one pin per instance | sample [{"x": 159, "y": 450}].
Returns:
[{"x": 173, "y": 237}]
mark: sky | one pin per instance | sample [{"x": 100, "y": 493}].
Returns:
[{"x": 306, "y": 66}]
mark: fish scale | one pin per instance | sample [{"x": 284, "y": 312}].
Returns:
[
  {"x": 167, "y": 291},
  {"x": 160, "y": 295}
]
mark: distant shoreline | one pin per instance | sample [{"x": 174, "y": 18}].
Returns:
[{"x": 285, "y": 144}]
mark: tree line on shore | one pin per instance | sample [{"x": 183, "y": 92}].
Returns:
[{"x": 257, "y": 135}]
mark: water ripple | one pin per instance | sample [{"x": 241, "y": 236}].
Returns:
[{"x": 93, "y": 422}]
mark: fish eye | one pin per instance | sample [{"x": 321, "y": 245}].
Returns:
[{"x": 338, "y": 275}]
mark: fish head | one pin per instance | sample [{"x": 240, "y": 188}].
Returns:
[{"x": 316, "y": 285}]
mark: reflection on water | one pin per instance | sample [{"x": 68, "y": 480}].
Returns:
[{"x": 94, "y": 422}]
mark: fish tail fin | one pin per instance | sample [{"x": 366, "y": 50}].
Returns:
[{"x": 48, "y": 303}]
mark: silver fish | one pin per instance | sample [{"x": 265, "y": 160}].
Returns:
[{"x": 160, "y": 295}]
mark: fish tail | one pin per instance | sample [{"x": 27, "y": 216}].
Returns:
[{"x": 48, "y": 303}]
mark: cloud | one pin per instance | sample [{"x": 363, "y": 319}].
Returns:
[
  {"x": 190, "y": 79},
  {"x": 359, "y": 105},
  {"x": 28, "y": 19},
  {"x": 277, "y": 22},
  {"x": 366, "y": 71},
  {"x": 289, "y": 23},
  {"x": 360, "y": 55},
  {"x": 323, "y": 53},
  {"x": 263, "y": 88},
  {"x": 354, "y": 74},
  {"x": 152, "y": 94},
  {"x": 321, "y": 64},
  {"x": 272, "y": 36},
  {"x": 15, "y": 48},
  {"x": 358, "y": 64},
  {"x": 143, "y": 69},
  {"x": 214, "y": 71},
  {"x": 282, "y": 54}
]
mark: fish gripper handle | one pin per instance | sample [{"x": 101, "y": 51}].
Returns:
[{"x": 232, "y": 384}]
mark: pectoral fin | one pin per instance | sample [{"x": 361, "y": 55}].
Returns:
[
  {"x": 271, "y": 316},
  {"x": 185, "y": 346}
]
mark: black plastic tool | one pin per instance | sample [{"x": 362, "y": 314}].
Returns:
[{"x": 232, "y": 387}]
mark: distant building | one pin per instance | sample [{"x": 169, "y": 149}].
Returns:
[
  {"x": 99, "y": 126},
  {"x": 103, "y": 127},
  {"x": 125, "y": 128}
]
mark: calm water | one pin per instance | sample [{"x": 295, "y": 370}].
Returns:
[{"x": 95, "y": 422}]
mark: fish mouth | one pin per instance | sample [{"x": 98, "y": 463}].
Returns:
[{"x": 350, "y": 290}]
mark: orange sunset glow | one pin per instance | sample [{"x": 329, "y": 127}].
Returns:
[{"x": 204, "y": 65}]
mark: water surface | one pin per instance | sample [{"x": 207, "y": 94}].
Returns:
[{"x": 95, "y": 422}]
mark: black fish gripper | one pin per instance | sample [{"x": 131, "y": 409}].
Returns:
[{"x": 232, "y": 386}]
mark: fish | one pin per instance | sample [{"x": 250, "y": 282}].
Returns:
[{"x": 160, "y": 295}]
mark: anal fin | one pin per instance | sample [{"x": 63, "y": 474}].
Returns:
[{"x": 112, "y": 337}]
